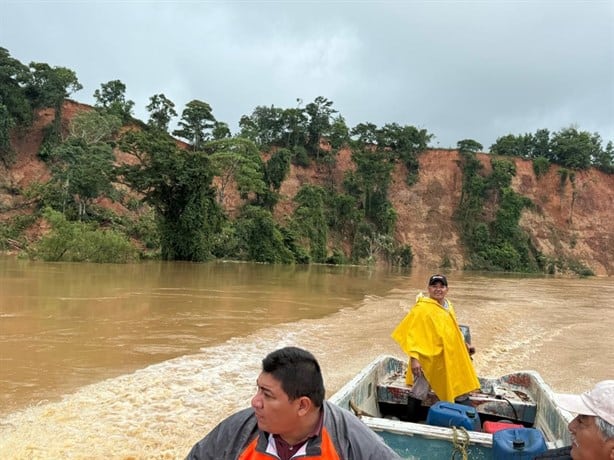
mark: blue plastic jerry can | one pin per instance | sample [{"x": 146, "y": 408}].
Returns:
[
  {"x": 518, "y": 444},
  {"x": 447, "y": 414}
]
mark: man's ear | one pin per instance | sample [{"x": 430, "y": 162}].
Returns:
[{"x": 304, "y": 405}]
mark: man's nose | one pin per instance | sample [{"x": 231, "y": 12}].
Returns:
[{"x": 256, "y": 401}]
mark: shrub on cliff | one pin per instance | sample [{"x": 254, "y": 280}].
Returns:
[{"x": 80, "y": 242}]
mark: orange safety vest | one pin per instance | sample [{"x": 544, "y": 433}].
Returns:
[{"x": 327, "y": 450}]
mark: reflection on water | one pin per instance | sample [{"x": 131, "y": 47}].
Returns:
[{"x": 180, "y": 344}]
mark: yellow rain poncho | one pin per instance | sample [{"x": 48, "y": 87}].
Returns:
[{"x": 430, "y": 333}]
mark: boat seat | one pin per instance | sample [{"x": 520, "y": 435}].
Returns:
[{"x": 393, "y": 390}]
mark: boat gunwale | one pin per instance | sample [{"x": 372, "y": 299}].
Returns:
[{"x": 342, "y": 398}]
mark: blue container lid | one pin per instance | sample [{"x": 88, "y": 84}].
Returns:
[{"x": 518, "y": 444}]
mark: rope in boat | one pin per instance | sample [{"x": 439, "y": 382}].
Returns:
[
  {"x": 460, "y": 445},
  {"x": 358, "y": 411}
]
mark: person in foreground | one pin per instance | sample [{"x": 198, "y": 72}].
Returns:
[
  {"x": 289, "y": 418},
  {"x": 592, "y": 431},
  {"x": 431, "y": 337}
]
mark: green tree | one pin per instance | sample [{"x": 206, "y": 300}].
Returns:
[
  {"x": 402, "y": 138},
  {"x": 364, "y": 134},
  {"x": 473, "y": 194},
  {"x": 49, "y": 87},
  {"x": 220, "y": 131},
  {"x": 363, "y": 245},
  {"x": 14, "y": 105},
  {"x": 196, "y": 123},
  {"x": 93, "y": 127},
  {"x": 505, "y": 225},
  {"x": 294, "y": 127},
  {"x": 82, "y": 171},
  {"x": 278, "y": 167},
  {"x": 265, "y": 127},
  {"x": 161, "y": 112},
  {"x": 320, "y": 113},
  {"x": 540, "y": 144},
  {"x": 80, "y": 242},
  {"x": 263, "y": 241},
  {"x": 236, "y": 160},
  {"x": 339, "y": 134},
  {"x": 509, "y": 145},
  {"x": 575, "y": 149},
  {"x": 502, "y": 173},
  {"x": 605, "y": 159},
  {"x": 6, "y": 124},
  {"x": 370, "y": 184},
  {"x": 83, "y": 165},
  {"x": 570, "y": 148},
  {"x": 406, "y": 143},
  {"x": 343, "y": 214},
  {"x": 502, "y": 256},
  {"x": 310, "y": 222},
  {"x": 469, "y": 146},
  {"x": 13, "y": 77},
  {"x": 394, "y": 142},
  {"x": 111, "y": 97},
  {"x": 178, "y": 185},
  {"x": 523, "y": 146},
  {"x": 493, "y": 244}
]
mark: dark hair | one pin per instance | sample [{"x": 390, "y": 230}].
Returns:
[{"x": 298, "y": 371}]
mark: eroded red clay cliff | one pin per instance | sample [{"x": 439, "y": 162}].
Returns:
[{"x": 570, "y": 219}]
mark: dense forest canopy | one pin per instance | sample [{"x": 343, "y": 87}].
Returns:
[{"x": 181, "y": 208}]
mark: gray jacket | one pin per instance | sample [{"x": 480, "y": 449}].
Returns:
[{"x": 351, "y": 438}]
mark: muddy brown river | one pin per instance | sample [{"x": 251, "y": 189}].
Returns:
[{"x": 140, "y": 361}]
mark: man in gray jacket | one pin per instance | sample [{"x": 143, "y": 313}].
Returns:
[{"x": 289, "y": 418}]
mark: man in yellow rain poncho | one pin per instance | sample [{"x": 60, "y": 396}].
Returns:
[{"x": 432, "y": 339}]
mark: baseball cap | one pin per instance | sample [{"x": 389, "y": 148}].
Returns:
[
  {"x": 438, "y": 279},
  {"x": 598, "y": 402}
]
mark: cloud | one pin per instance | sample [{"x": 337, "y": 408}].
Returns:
[{"x": 460, "y": 69}]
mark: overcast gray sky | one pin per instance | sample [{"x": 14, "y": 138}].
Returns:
[{"x": 461, "y": 69}]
